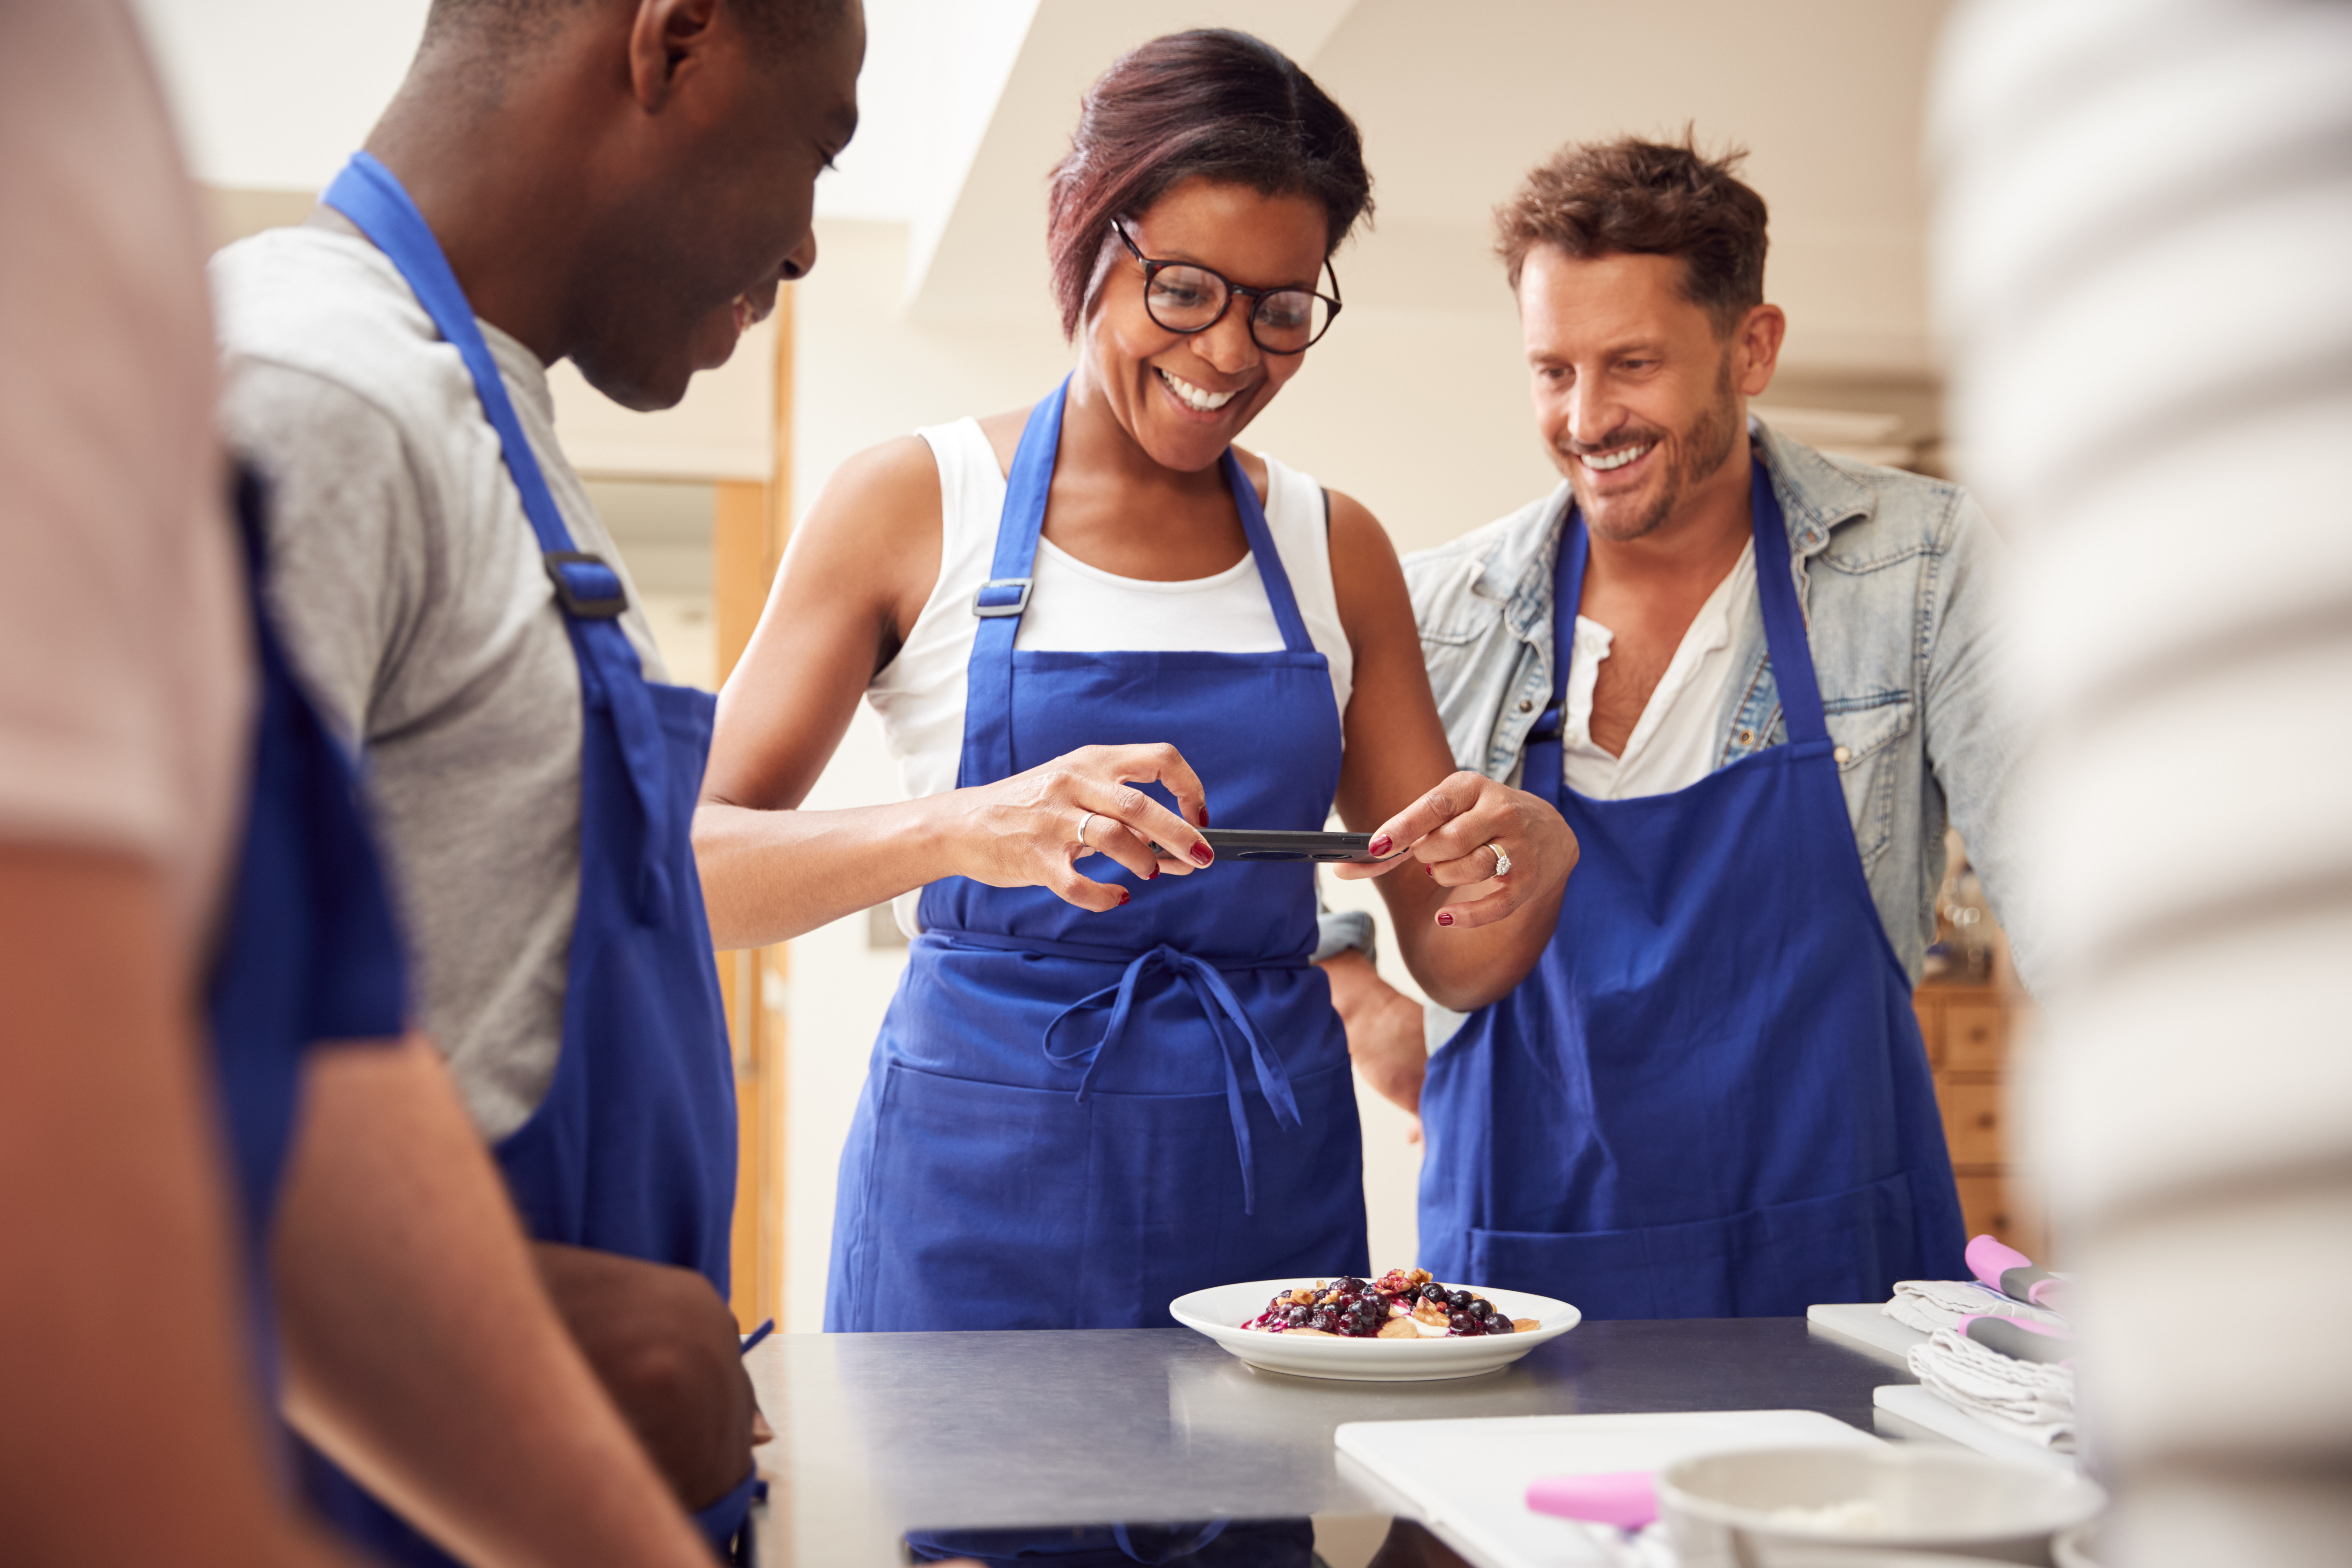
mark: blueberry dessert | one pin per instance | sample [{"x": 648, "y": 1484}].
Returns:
[{"x": 1403, "y": 1303}]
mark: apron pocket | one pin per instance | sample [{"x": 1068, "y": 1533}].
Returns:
[
  {"x": 1767, "y": 1263},
  {"x": 991, "y": 1206}
]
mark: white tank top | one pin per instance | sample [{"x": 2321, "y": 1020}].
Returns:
[{"x": 1074, "y": 607}]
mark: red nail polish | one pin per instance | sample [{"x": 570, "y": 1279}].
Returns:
[
  {"x": 1429, "y": 870},
  {"x": 1381, "y": 845},
  {"x": 1122, "y": 898},
  {"x": 1202, "y": 855},
  {"x": 1445, "y": 917},
  {"x": 1153, "y": 874},
  {"x": 1204, "y": 815}
]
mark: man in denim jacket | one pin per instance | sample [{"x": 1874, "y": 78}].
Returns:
[{"x": 1625, "y": 1130}]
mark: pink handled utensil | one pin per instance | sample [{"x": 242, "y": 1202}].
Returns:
[
  {"x": 1624, "y": 1502},
  {"x": 2015, "y": 1275},
  {"x": 1626, "y": 1499}
]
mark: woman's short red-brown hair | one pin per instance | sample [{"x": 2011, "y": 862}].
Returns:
[{"x": 1213, "y": 103}]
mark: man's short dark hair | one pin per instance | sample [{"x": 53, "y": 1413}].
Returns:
[
  {"x": 1645, "y": 198},
  {"x": 775, "y": 24}
]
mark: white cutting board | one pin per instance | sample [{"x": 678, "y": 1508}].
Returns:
[
  {"x": 1865, "y": 1326},
  {"x": 1467, "y": 1480}
]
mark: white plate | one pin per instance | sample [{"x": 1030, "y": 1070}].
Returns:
[{"x": 1219, "y": 1313}]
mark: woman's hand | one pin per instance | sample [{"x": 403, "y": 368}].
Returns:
[
  {"x": 1030, "y": 830},
  {"x": 1465, "y": 832}
]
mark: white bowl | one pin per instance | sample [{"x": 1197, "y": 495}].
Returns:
[
  {"x": 1220, "y": 1313},
  {"x": 1925, "y": 1499}
]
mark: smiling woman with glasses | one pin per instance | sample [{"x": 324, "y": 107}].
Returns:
[{"x": 1086, "y": 627}]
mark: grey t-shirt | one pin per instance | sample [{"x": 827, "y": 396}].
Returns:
[{"x": 411, "y": 591}]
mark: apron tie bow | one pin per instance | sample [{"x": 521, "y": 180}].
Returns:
[{"x": 1226, "y": 1017}]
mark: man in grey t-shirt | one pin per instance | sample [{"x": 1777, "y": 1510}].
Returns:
[{"x": 625, "y": 183}]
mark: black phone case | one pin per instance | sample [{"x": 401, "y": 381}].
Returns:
[{"x": 1270, "y": 844}]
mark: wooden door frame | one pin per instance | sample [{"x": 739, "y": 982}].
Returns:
[{"x": 749, "y": 523}]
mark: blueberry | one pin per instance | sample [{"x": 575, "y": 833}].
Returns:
[
  {"x": 1299, "y": 1315},
  {"x": 1432, "y": 1292},
  {"x": 1460, "y": 1301},
  {"x": 1462, "y": 1322},
  {"x": 1324, "y": 1319},
  {"x": 1498, "y": 1323}
]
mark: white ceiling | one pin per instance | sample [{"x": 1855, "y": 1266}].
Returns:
[
  {"x": 1456, "y": 100},
  {"x": 967, "y": 102}
]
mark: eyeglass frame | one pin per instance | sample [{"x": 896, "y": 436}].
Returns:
[{"x": 1152, "y": 269}]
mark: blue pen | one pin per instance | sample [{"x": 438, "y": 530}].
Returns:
[{"x": 757, "y": 1335}]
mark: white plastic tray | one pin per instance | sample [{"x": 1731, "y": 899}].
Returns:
[{"x": 1467, "y": 1480}]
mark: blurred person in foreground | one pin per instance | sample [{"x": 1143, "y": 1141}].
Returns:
[
  {"x": 195, "y": 941},
  {"x": 625, "y": 183},
  {"x": 1756, "y": 679},
  {"x": 2144, "y": 231}
]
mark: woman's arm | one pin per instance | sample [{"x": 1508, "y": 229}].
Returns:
[
  {"x": 1468, "y": 936},
  {"x": 857, "y": 575}
]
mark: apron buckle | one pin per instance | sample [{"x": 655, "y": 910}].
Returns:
[
  {"x": 986, "y": 607},
  {"x": 587, "y": 587}
]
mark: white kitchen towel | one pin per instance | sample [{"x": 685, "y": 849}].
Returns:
[
  {"x": 2028, "y": 1399},
  {"x": 1931, "y": 1304}
]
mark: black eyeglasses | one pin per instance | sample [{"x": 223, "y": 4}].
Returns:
[{"x": 1185, "y": 298}]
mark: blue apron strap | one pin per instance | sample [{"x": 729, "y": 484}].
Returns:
[
  {"x": 727, "y": 1523},
  {"x": 1542, "y": 774},
  {"x": 1784, "y": 634},
  {"x": 1226, "y": 1017},
  {"x": 1270, "y": 570},
  {"x": 988, "y": 677},
  {"x": 1784, "y": 619},
  {"x": 588, "y": 589},
  {"x": 370, "y": 195}
]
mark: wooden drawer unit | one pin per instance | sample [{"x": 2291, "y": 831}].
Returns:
[
  {"x": 1989, "y": 1208},
  {"x": 1931, "y": 1029},
  {"x": 1975, "y": 1037},
  {"x": 1972, "y": 1126},
  {"x": 1966, "y": 1030}
]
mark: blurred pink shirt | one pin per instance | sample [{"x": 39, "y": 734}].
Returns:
[{"x": 123, "y": 678}]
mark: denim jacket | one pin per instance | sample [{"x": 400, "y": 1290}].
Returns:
[{"x": 1897, "y": 575}]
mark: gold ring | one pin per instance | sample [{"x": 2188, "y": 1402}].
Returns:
[{"x": 1502, "y": 860}]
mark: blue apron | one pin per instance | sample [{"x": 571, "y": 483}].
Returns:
[
  {"x": 308, "y": 949},
  {"x": 632, "y": 1150},
  {"x": 1071, "y": 1118},
  {"x": 1710, "y": 1099}
]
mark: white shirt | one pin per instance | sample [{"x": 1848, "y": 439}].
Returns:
[
  {"x": 919, "y": 694},
  {"x": 1672, "y": 745}
]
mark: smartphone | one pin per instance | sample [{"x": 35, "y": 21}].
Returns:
[{"x": 1265, "y": 844}]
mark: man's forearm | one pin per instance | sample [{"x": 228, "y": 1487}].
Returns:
[
  {"x": 120, "y": 1312},
  {"x": 422, "y": 1351}
]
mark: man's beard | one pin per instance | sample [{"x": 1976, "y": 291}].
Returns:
[{"x": 1701, "y": 450}]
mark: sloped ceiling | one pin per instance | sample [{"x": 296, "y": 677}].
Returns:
[{"x": 1456, "y": 100}]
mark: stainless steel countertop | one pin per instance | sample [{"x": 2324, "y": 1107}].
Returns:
[{"x": 882, "y": 1432}]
